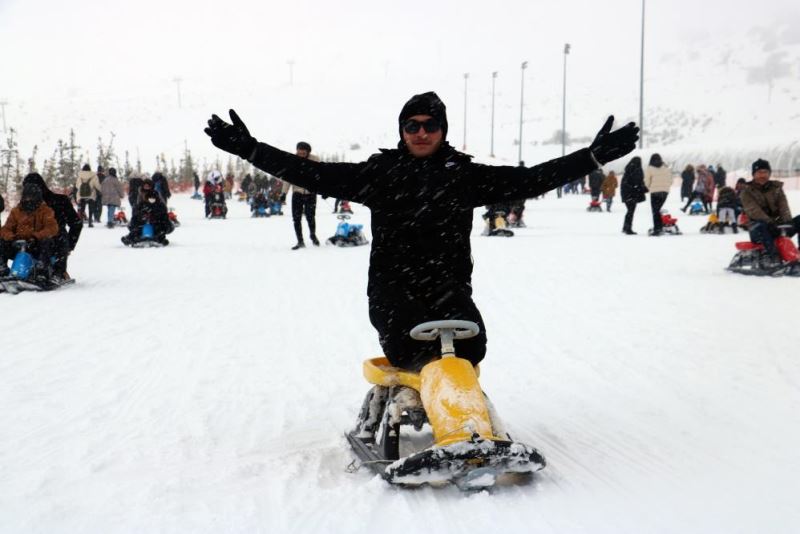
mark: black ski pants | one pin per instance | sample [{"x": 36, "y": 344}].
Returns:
[
  {"x": 765, "y": 234},
  {"x": 656, "y": 203},
  {"x": 628, "y": 224},
  {"x": 82, "y": 205},
  {"x": 304, "y": 204},
  {"x": 396, "y": 308}
]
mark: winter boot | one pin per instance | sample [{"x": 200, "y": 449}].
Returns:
[
  {"x": 314, "y": 240},
  {"x": 299, "y": 245}
]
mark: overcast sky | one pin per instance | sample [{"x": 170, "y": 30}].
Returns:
[{"x": 49, "y": 47}]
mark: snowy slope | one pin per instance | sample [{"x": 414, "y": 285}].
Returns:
[{"x": 205, "y": 387}]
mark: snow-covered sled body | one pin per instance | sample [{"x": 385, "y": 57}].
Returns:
[{"x": 443, "y": 403}]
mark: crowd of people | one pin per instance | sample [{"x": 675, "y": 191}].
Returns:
[{"x": 51, "y": 224}]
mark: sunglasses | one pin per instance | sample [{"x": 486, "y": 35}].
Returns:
[{"x": 430, "y": 126}]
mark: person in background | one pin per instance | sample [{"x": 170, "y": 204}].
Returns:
[
  {"x": 609, "y": 189},
  {"x": 304, "y": 202},
  {"x": 87, "y": 187},
  {"x": 726, "y": 209},
  {"x": 657, "y": 180},
  {"x": 632, "y": 191},
  {"x": 112, "y": 192},
  {"x": 98, "y": 202},
  {"x": 687, "y": 182}
]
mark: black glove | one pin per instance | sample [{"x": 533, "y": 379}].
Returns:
[
  {"x": 608, "y": 146},
  {"x": 283, "y": 198},
  {"x": 233, "y": 138}
]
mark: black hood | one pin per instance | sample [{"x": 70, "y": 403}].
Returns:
[{"x": 36, "y": 179}]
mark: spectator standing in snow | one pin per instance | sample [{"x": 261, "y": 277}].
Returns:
[
  {"x": 98, "y": 202},
  {"x": 609, "y": 189},
  {"x": 87, "y": 187},
  {"x": 632, "y": 191},
  {"x": 422, "y": 195},
  {"x": 304, "y": 202},
  {"x": 112, "y": 193},
  {"x": 687, "y": 182},
  {"x": 657, "y": 180}
]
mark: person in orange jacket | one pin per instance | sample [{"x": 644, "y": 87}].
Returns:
[{"x": 32, "y": 221}]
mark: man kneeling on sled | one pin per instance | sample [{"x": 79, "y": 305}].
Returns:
[
  {"x": 422, "y": 195},
  {"x": 35, "y": 223}
]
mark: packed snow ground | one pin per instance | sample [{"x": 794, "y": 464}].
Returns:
[{"x": 205, "y": 387}]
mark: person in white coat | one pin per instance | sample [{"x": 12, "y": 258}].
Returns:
[
  {"x": 657, "y": 180},
  {"x": 86, "y": 189}
]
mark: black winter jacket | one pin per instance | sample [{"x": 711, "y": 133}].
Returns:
[
  {"x": 632, "y": 188},
  {"x": 155, "y": 214},
  {"x": 421, "y": 207}
]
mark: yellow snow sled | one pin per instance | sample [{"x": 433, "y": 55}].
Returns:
[{"x": 470, "y": 446}]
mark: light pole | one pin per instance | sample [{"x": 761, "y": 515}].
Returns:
[
  {"x": 466, "y": 77},
  {"x": 521, "y": 103},
  {"x": 494, "y": 78},
  {"x": 178, "y": 83},
  {"x": 564, "y": 104},
  {"x": 641, "y": 88},
  {"x": 3, "y": 107},
  {"x": 564, "y": 111}
]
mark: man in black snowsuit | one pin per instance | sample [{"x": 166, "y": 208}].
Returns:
[
  {"x": 422, "y": 196},
  {"x": 69, "y": 222}
]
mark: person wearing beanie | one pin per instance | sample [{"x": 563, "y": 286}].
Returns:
[
  {"x": 32, "y": 221},
  {"x": 765, "y": 205},
  {"x": 422, "y": 195},
  {"x": 69, "y": 222},
  {"x": 304, "y": 202}
]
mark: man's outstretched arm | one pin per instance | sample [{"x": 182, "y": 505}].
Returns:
[
  {"x": 338, "y": 180},
  {"x": 495, "y": 184}
]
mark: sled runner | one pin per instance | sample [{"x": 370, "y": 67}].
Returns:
[
  {"x": 28, "y": 275},
  {"x": 470, "y": 447},
  {"x": 752, "y": 259}
]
